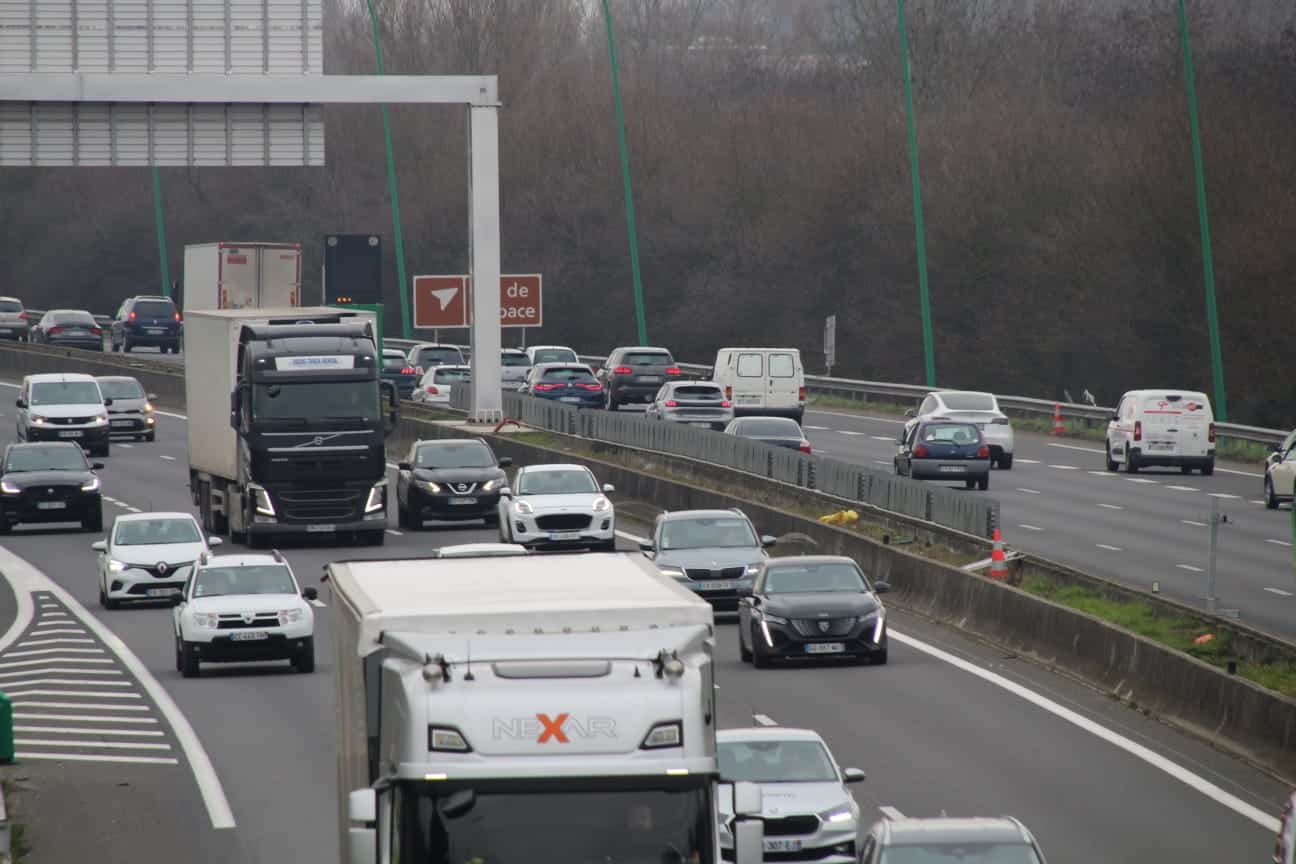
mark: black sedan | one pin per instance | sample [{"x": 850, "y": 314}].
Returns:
[
  {"x": 774, "y": 431},
  {"x": 73, "y": 328},
  {"x": 449, "y": 480},
  {"x": 397, "y": 370},
  {"x": 944, "y": 450},
  {"x": 812, "y": 606},
  {"x": 49, "y": 482}
]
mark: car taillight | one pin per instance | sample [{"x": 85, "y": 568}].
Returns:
[
  {"x": 805, "y": 447},
  {"x": 132, "y": 316},
  {"x": 920, "y": 451},
  {"x": 543, "y": 387},
  {"x": 673, "y": 370},
  {"x": 594, "y": 386},
  {"x": 728, "y": 392},
  {"x": 22, "y": 316},
  {"x": 408, "y": 370},
  {"x": 726, "y": 404},
  {"x": 1210, "y": 433},
  {"x": 177, "y": 316},
  {"x": 431, "y": 388},
  {"x": 801, "y": 394},
  {"x": 983, "y": 453},
  {"x": 622, "y": 370},
  {"x": 98, "y": 331},
  {"x": 1138, "y": 430},
  {"x": 671, "y": 403},
  {"x": 56, "y": 330}
]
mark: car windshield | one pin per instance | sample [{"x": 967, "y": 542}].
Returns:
[
  {"x": 121, "y": 389},
  {"x": 969, "y": 401},
  {"x": 451, "y": 376},
  {"x": 428, "y": 357},
  {"x": 154, "y": 309},
  {"x": 455, "y": 455},
  {"x": 315, "y": 400},
  {"x": 960, "y": 853},
  {"x": 248, "y": 579},
  {"x": 514, "y": 360},
  {"x": 148, "y": 532},
  {"x": 47, "y": 457},
  {"x": 775, "y": 761},
  {"x": 646, "y": 358},
  {"x": 950, "y": 433},
  {"x": 695, "y": 391},
  {"x": 555, "y": 355},
  {"x": 573, "y": 482},
  {"x": 813, "y": 578},
  {"x": 577, "y": 375},
  {"x": 10, "y": 306},
  {"x": 66, "y": 393},
  {"x": 769, "y": 427},
  {"x": 720, "y": 533}
]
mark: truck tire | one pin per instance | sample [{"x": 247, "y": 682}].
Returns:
[{"x": 305, "y": 662}]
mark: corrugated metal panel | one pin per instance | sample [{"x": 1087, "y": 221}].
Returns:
[
  {"x": 240, "y": 37},
  {"x": 170, "y": 134}
]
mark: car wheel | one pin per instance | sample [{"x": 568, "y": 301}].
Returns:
[
  {"x": 1005, "y": 462},
  {"x": 611, "y": 403},
  {"x": 984, "y": 482},
  {"x": 492, "y": 519},
  {"x": 179, "y": 655},
  {"x": 1111, "y": 463},
  {"x": 759, "y": 659},
  {"x": 1131, "y": 467},
  {"x": 1185, "y": 469},
  {"x": 152, "y": 436},
  {"x": 605, "y": 546},
  {"x": 5, "y": 527},
  {"x": 970, "y": 484},
  {"x": 103, "y": 601},
  {"x": 743, "y": 653},
  {"x": 1270, "y": 499},
  {"x": 93, "y": 521},
  {"x": 126, "y": 345},
  {"x": 879, "y": 658},
  {"x": 1208, "y": 469},
  {"x": 305, "y": 662},
  {"x": 189, "y": 666}
]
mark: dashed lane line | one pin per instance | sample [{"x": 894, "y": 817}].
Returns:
[
  {"x": 1280, "y": 592},
  {"x": 886, "y": 438},
  {"x": 1109, "y": 548},
  {"x": 1225, "y": 495},
  {"x": 1194, "y": 523},
  {"x": 1190, "y": 568},
  {"x": 1029, "y": 491},
  {"x": 1065, "y": 467},
  {"x": 1030, "y": 527},
  {"x": 1184, "y": 488},
  {"x": 76, "y": 757},
  {"x": 1143, "y": 481},
  {"x": 1278, "y": 542},
  {"x": 1111, "y": 506},
  {"x": 849, "y": 432},
  {"x": 1027, "y": 461},
  {"x": 817, "y": 428},
  {"x": 1097, "y": 450},
  {"x": 166, "y": 457}
]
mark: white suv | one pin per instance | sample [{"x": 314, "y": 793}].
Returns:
[
  {"x": 145, "y": 554},
  {"x": 964, "y": 406},
  {"x": 243, "y": 608},
  {"x": 555, "y": 506}
]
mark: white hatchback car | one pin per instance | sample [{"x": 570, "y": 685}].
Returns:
[
  {"x": 808, "y": 812},
  {"x": 144, "y": 556},
  {"x": 437, "y": 383},
  {"x": 556, "y": 506},
  {"x": 965, "y": 406},
  {"x": 243, "y": 608}
]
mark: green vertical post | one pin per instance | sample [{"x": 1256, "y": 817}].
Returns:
[
  {"x": 625, "y": 177},
  {"x": 160, "y": 223},
  {"x": 1208, "y": 263},
  {"x": 6, "y": 729},
  {"x": 404, "y": 289},
  {"x": 929, "y": 351}
]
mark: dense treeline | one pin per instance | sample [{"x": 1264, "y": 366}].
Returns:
[{"x": 768, "y": 147}]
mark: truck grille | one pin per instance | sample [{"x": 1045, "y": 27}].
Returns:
[
  {"x": 563, "y": 521},
  {"x": 237, "y": 621},
  {"x": 811, "y": 626},
  {"x": 726, "y": 573},
  {"x": 320, "y": 505}
]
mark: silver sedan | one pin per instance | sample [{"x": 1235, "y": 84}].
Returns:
[{"x": 696, "y": 403}]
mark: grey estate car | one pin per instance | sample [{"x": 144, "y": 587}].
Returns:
[{"x": 713, "y": 552}]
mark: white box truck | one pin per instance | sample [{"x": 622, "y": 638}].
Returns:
[
  {"x": 496, "y": 705},
  {"x": 286, "y": 426},
  {"x": 228, "y": 275}
]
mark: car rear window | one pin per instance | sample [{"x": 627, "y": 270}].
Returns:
[
  {"x": 950, "y": 433},
  {"x": 154, "y": 309},
  {"x": 74, "y": 318},
  {"x": 647, "y": 358},
  {"x": 771, "y": 426},
  {"x": 750, "y": 366},
  {"x": 450, "y": 376},
  {"x": 10, "y": 306},
  {"x": 515, "y": 360},
  {"x": 556, "y": 355},
  {"x": 781, "y": 366},
  {"x": 572, "y": 373},
  {"x": 696, "y": 391},
  {"x": 969, "y": 401},
  {"x": 438, "y": 356},
  {"x": 1177, "y": 403}
]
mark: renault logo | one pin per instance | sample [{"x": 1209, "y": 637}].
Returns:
[
  {"x": 248, "y": 617},
  {"x": 161, "y": 568},
  {"x": 823, "y": 626}
]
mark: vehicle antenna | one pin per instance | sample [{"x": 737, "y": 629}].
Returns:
[{"x": 468, "y": 676}]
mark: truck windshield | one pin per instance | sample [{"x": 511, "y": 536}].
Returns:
[
  {"x": 315, "y": 400},
  {"x": 553, "y": 822}
]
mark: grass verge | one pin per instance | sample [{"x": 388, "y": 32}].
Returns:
[{"x": 1179, "y": 632}]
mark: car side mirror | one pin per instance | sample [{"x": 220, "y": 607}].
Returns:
[
  {"x": 99, "y": 546},
  {"x": 96, "y": 466},
  {"x": 21, "y": 403},
  {"x": 608, "y": 488},
  {"x": 767, "y": 541},
  {"x": 646, "y": 545},
  {"x": 176, "y": 599},
  {"x": 882, "y": 587},
  {"x": 911, "y": 412},
  {"x": 853, "y": 775},
  {"x": 107, "y": 402},
  {"x": 1115, "y": 418},
  {"x": 505, "y": 461},
  {"x": 214, "y": 541},
  {"x": 404, "y": 466},
  {"x": 152, "y": 397},
  {"x": 310, "y": 593},
  {"x": 505, "y": 492}
]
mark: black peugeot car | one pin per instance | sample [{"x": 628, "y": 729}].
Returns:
[
  {"x": 810, "y": 607},
  {"x": 450, "y": 480},
  {"x": 49, "y": 482}
]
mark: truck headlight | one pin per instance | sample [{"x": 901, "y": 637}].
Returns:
[
  {"x": 101, "y": 420},
  {"x": 377, "y": 497},
  {"x": 37, "y": 420},
  {"x": 91, "y": 485},
  {"x": 264, "y": 505},
  {"x": 752, "y": 569},
  {"x": 148, "y": 407}
]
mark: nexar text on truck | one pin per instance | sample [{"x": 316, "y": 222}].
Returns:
[
  {"x": 499, "y": 706},
  {"x": 286, "y": 423}
]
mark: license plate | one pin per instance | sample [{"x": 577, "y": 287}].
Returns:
[
  {"x": 69, "y": 433},
  {"x": 51, "y": 505},
  {"x": 703, "y": 425},
  {"x": 155, "y": 331},
  {"x": 463, "y": 500},
  {"x": 564, "y": 535},
  {"x": 782, "y": 845},
  {"x": 713, "y": 586},
  {"x": 252, "y": 636},
  {"x": 5, "y": 330},
  {"x": 953, "y": 469},
  {"x": 650, "y": 379},
  {"x": 825, "y": 648},
  {"x": 116, "y": 423},
  {"x": 569, "y": 399},
  {"x": 320, "y": 529},
  {"x": 1160, "y": 445},
  {"x": 162, "y": 592}
]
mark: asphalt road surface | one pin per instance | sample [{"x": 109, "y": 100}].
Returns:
[{"x": 931, "y": 734}]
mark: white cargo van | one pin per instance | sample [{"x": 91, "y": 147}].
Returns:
[
  {"x": 762, "y": 381},
  {"x": 1174, "y": 428}
]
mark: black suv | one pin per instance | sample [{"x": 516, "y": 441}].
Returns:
[
  {"x": 147, "y": 321},
  {"x": 636, "y": 374},
  {"x": 448, "y": 480}
]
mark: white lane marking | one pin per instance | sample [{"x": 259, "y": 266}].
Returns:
[
  {"x": 318, "y": 603},
  {"x": 62, "y": 640},
  {"x": 1279, "y": 542},
  {"x": 1156, "y": 760},
  {"x": 1238, "y": 473},
  {"x": 882, "y": 462},
  {"x": 764, "y": 720},
  {"x": 849, "y": 432},
  {"x": 19, "y": 743},
  {"x": 55, "y": 627},
  {"x": 891, "y": 813},
  {"x": 127, "y": 446},
  {"x": 26, "y": 611},
  {"x": 1103, "y": 473},
  {"x": 17, "y": 663},
  {"x": 40, "y": 651},
  {"x": 1279, "y": 592},
  {"x": 80, "y": 718},
  {"x": 1256, "y": 501},
  {"x": 1029, "y": 491},
  {"x": 1109, "y": 548},
  {"x": 23, "y": 576},
  {"x": 88, "y": 694},
  {"x": 1190, "y": 568},
  {"x": 1065, "y": 467},
  {"x": 1194, "y": 523},
  {"x": 395, "y": 533},
  {"x": 29, "y": 703},
  {"x": 817, "y": 428},
  {"x": 79, "y": 757},
  {"x": 886, "y": 438},
  {"x": 59, "y": 670},
  {"x": 1111, "y": 506},
  {"x": 1031, "y": 527},
  {"x": 77, "y": 730},
  {"x": 1027, "y": 461},
  {"x": 891, "y": 420},
  {"x": 1098, "y": 450},
  {"x": 1142, "y": 480},
  {"x": 134, "y": 509},
  {"x": 75, "y": 682},
  {"x": 166, "y": 457},
  {"x": 1184, "y": 488},
  {"x": 1223, "y": 495}
]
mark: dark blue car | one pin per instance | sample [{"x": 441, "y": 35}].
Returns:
[
  {"x": 570, "y": 383},
  {"x": 147, "y": 321},
  {"x": 944, "y": 450},
  {"x": 396, "y": 369}
]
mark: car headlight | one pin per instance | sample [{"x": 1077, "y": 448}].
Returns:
[
  {"x": 601, "y": 504},
  {"x": 377, "y": 497},
  {"x": 264, "y": 505},
  {"x": 91, "y": 485},
  {"x": 8, "y": 488},
  {"x": 752, "y": 569},
  {"x": 878, "y": 624},
  {"x": 289, "y": 616},
  {"x": 673, "y": 572},
  {"x": 148, "y": 407},
  {"x": 428, "y": 485},
  {"x": 205, "y": 619},
  {"x": 489, "y": 485},
  {"x": 101, "y": 420},
  {"x": 838, "y": 816},
  {"x": 115, "y": 566},
  {"x": 37, "y": 420},
  {"x": 523, "y": 507},
  {"x": 773, "y": 619}
]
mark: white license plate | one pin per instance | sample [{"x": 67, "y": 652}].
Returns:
[
  {"x": 825, "y": 648},
  {"x": 5, "y": 330},
  {"x": 69, "y": 433},
  {"x": 116, "y": 423},
  {"x": 463, "y": 500},
  {"x": 1160, "y": 445},
  {"x": 699, "y": 423},
  {"x": 320, "y": 529},
  {"x": 953, "y": 469},
  {"x": 569, "y": 399},
  {"x": 155, "y": 331},
  {"x": 252, "y": 636},
  {"x": 650, "y": 379},
  {"x": 162, "y": 592},
  {"x": 564, "y": 535},
  {"x": 713, "y": 586},
  {"x": 782, "y": 845},
  {"x": 51, "y": 505}
]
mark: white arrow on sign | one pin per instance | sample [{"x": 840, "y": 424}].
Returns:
[{"x": 445, "y": 296}]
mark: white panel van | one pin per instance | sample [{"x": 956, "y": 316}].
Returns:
[
  {"x": 1151, "y": 428},
  {"x": 762, "y": 381}
]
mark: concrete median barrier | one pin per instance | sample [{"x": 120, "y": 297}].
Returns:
[{"x": 19, "y": 359}]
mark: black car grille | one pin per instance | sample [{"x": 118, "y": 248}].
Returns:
[
  {"x": 158, "y": 570},
  {"x": 237, "y": 622},
  {"x": 791, "y": 826},
  {"x": 563, "y": 521},
  {"x": 460, "y": 488},
  {"x": 320, "y": 505},
  {"x": 69, "y": 421},
  {"x": 726, "y": 573},
  {"x": 814, "y": 626}
]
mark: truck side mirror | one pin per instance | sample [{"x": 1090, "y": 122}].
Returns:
[
  {"x": 362, "y": 840},
  {"x": 99, "y": 545},
  {"x": 152, "y": 397},
  {"x": 236, "y": 409},
  {"x": 176, "y": 599},
  {"x": 911, "y": 412},
  {"x": 646, "y": 545},
  {"x": 882, "y": 587},
  {"x": 853, "y": 775}
]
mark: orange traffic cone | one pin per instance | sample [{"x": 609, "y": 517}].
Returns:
[
  {"x": 998, "y": 563},
  {"x": 1058, "y": 428}
]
